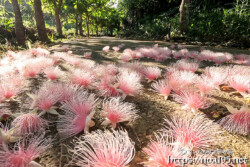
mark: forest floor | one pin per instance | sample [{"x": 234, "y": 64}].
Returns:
[{"x": 153, "y": 108}]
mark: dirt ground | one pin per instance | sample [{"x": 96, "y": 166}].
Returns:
[{"x": 153, "y": 109}]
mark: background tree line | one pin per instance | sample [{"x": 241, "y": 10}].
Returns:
[{"x": 46, "y": 20}]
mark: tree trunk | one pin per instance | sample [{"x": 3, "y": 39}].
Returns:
[
  {"x": 80, "y": 26},
  {"x": 96, "y": 30},
  {"x": 76, "y": 24},
  {"x": 87, "y": 23},
  {"x": 19, "y": 29},
  {"x": 184, "y": 16},
  {"x": 40, "y": 24},
  {"x": 58, "y": 21}
]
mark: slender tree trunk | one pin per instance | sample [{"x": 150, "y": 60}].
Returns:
[
  {"x": 40, "y": 24},
  {"x": 184, "y": 16},
  {"x": 58, "y": 21},
  {"x": 19, "y": 29},
  {"x": 57, "y": 7},
  {"x": 87, "y": 22},
  {"x": 96, "y": 30},
  {"x": 76, "y": 24},
  {"x": 80, "y": 25}
]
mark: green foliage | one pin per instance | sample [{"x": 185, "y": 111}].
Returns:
[
  {"x": 6, "y": 15},
  {"x": 221, "y": 24}
]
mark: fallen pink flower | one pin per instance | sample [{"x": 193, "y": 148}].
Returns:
[
  {"x": 116, "y": 49},
  {"x": 117, "y": 111},
  {"x": 82, "y": 78},
  {"x": 28, "y": 123},
  {"x": 204, "y": 85},
  {"x": 53, "y": 73},
  {"x": 238, "y": 121},
  {"x": 10, "y": 87},
  {"x": 45, "y": 99},
  {"x": 160, "y": 150},
  {"x": 192, "y": 100},
  {"x": 217, "y": 75},
  {"x": 152, "y": 73},
  {"x": 87, "y": 54},
  {"x": 162, "y": 87},
  {"x": 192, "y": 132},
  {"x": 106, "y": 48},
  {"x": 103, "y": 149},
  {"x": 186, "y": 65},
  {"x": 129, "y": 83},
  {"x": 240, "y": 83},
  {"x": 78, "y": 114},
  {"x": 25, "y": 152}
]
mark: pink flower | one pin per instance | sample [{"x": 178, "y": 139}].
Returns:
[
  {"x": 86, "y": 64},
  {"x": 69, "y": 52},
  {"x": 82, "y": 78},
  {"x": 217, "y": 75},
  {"x": 162, "y": 87},
  {"x": 53, "y": 73},
  {"x": 204, "y": 85},
  {"x": 134, "y": 66},
  {"x": 186, "y": 65},
  {"x": 45, "y": 98},
  {"x": 129, "y": 83},
  {"x": 43, "y": 62},
  {"x": 184, "y": 53},
  {"x": 74, "y": 61},
  {"x": 65, "y": 47},
  {"x": 66, "y": 91},
  {"x": 159, "y": 151},
  {"x": 111, "y": 69},
  {"x": 33, "y": 67},
  {"x": 25, "y": 152},
  {"x": 7, "y": 70},
  {"x": 240, "y": 83},
  {"x": 180, "y": 79},
  {"x": 41, "y": 52},
  {"x": 78, "y": 114},
  {"x": 107, "y": 88},
  {"x": 106, "y": 48},
  {"x": 192, "y": 132},
  {"x": 103, "y": 149},
  {"x": 10, "y": 87},
  {"x": 129, "y": 53},
  {"x": 241, "y": 57},
  {"x": 207, "y": 55},
  {"x": 152, "y": 73},
  {"x": 191, "y": 100},
  {"x": 238, "y": 121},
  {"x": 229, "y": 56},
  {"x": 28, "y": 123},
  {"x": 126, "y": 57},
  {"x": 172, "y": 46},
  {"x": 176, "y": 54},
  {"x": 116, "y": 49},
  {"x": 87, "y": 54},
  {"x": 117, "y": 111},
  {"x": 219, "y": 58}
]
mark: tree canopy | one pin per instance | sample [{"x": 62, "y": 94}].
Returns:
[{"x": 223, "y": 20}]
